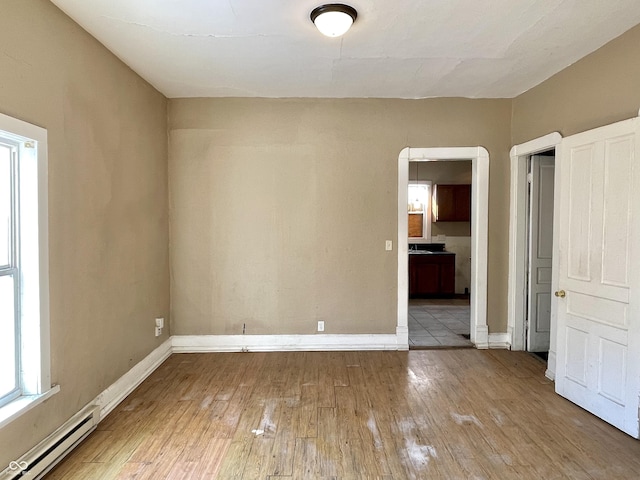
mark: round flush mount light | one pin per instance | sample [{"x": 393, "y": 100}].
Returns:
[{"x": 333, "y": 19}]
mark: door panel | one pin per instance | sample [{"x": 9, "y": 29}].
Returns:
[
  {"x": 617, "y": 211},
  {"x": 580, "y": 184},
  {"x": 540, "y": 253},
  {"x": 576, "y": 352},
  {"x": 612, "y": 370},
  {"x": 598, "y": 328},
  {"x": 543, "y": 317}
]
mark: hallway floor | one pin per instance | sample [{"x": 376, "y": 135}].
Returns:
[{"x": 439, "y": 323}]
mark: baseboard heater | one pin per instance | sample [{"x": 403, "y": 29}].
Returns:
[{"x": 48, "y": 453}]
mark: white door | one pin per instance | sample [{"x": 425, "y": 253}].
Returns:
[
  {"x": 540, "y": 253},
  {"x": 598, "y": 320}
]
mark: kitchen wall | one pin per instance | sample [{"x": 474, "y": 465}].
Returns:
[
  {"x": 280, "y": 208},
  {"x": 454, "y": 172},
  {"x": 108, "y": 220},
  {"x": 455, "y": 235}
]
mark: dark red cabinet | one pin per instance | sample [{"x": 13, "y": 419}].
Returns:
[
  {"x": 452, "y": 203},
  {"x": 432, "y": 275}
]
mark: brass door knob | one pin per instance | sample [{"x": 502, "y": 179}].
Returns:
[{"x": 561, "y": 293}]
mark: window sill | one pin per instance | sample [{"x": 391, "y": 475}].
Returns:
[{"x": 21, "y": 405}]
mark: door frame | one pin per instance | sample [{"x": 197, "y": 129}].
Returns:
[
  {"x": 518, "y": 251},
  {"x": 536, "y": 168},
  {"x": 479, "y": 157}
]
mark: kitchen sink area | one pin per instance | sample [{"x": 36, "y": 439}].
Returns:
[
  {"x": 431, "y": 271},
  {"x": 420, "y": 248}
]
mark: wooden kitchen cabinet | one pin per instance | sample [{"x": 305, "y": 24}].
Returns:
[
  {"x": 431, "y": 275},
  {"x": 452, "y": 203}
]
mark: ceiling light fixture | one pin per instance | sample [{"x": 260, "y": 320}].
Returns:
[{"x": 334, "y": 19}]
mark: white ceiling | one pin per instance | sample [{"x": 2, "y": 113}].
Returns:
[{"x": 396, "y": 48}]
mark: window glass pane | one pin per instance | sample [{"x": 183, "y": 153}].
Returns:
[
  {"x": 7, "y": 336},
  {"x": 5, "y": 204}
]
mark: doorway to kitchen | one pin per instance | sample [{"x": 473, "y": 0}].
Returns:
[
  {"x": 479, "y": 157},
  {"x": 439, "y": 231}
]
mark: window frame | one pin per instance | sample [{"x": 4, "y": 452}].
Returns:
[
  {"x": 426, "y": 214},
  {"x": 31, "y": 256},
  {"x": 12, "y": 268}
]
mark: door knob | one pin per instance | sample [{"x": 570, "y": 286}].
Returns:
[{"x": 561, "y": 294}]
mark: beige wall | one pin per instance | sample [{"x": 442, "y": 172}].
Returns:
[
  {"x": 280, "y": 208},
  {"x": 602, "y": 88},
  {"x": 108, "y": 227}
]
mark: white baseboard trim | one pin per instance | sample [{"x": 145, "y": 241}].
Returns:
[
  {"x": 402, "y": 338},
  {"x": 551, "y": 366},
  {"x": 480, "y": 337},
  {"x": 499, "y": 341},
  {"x": 118, "y": 391},
  {"x": 284, "y": 343}
]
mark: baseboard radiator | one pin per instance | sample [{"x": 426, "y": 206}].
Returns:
[{"x": 48, "y": 453}]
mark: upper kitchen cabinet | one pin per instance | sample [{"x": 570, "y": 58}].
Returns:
[{"x": 451, "y": 203}]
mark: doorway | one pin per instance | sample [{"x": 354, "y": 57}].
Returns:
[
  {"x": 439, "y": 254},
  {"x": 479, "y": 157},
  {"x": 529, "y": 277},
  {"x": 540, "y": 177}
]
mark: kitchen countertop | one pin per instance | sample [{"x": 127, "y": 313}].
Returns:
[{"x": 427, "y": 252}]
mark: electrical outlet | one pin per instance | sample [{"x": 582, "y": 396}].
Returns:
[
  {"x": 159, "y": 326},
  {"x": 321, "y": 326}
]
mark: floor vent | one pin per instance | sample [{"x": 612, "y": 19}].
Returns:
[{"x": 46, "y": 455}]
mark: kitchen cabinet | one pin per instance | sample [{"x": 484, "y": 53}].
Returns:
[
  {"x": 452, "y": 203},
  {"x": 432, "y": 274}
]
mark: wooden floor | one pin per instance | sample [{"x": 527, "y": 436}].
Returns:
[{"x": 440, "y": 414}]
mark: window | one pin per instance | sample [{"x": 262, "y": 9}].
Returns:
[
  {"x": 419, "y": 209},
  {"x": 9, "y": 274},
  {"x": 24, "y": 283}
]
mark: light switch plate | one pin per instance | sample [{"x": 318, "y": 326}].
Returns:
[{"x": 388, "y": 245}]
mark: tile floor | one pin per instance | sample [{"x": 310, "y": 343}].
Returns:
[{"x": 438, "y": 323}]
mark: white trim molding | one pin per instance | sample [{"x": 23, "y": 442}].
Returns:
[
  {"x": 499, "y": 341},
  {"x": 402, "y": 336},
  {"x": 516, "y": 295},
  {"x": 482, "y": 337},
  {"x": 116, "y": 393},
  {"x": 283, "y": 343},
  {"x": 21, "y": 405},
  {"x": 479, "y": 157},
  {"x": 551, "y": 373}
]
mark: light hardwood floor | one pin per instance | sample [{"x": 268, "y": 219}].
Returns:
[{"x": 439, "y": 414}]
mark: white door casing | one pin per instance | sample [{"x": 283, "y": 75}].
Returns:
[
  {"x": 540, "y": 253},
  {"x": 518, "y": 251},
  {"x": 598, "y": 251},
  {"x": 479, "y": 237}
]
